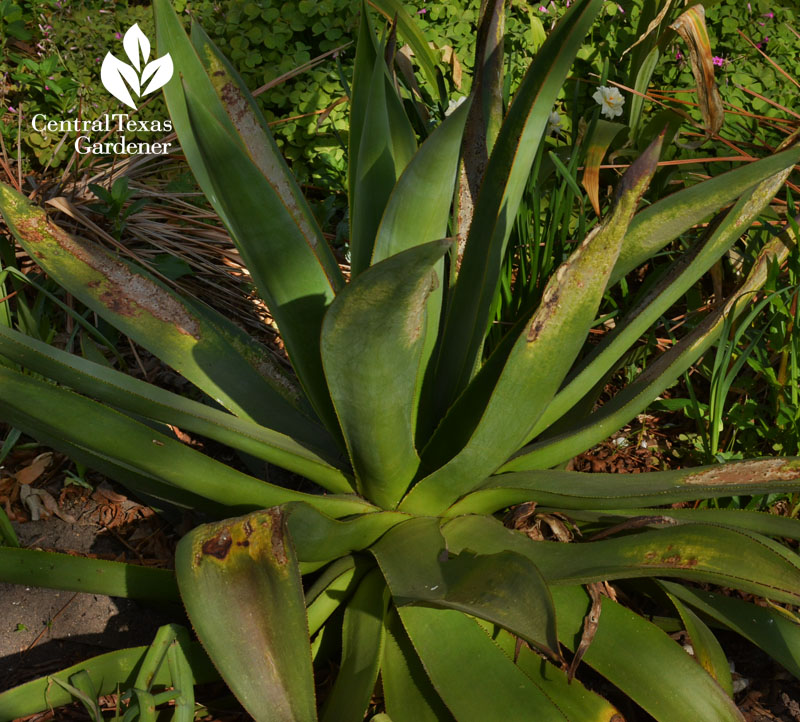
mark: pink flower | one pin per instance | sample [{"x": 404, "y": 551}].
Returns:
[
  {"x": 678, "y": 55},
  {"x": 117, "y": 35},
  {"x": 47, "y": 87},
  {"x": 717, "y": 60},
  {"x": 542, "y": 9},
  {"x": 768, "y": 15}
]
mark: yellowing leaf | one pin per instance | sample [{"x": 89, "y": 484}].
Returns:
[{"x": 691, "y": 26}]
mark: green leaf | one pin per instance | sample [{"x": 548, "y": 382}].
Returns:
[
  {"x": 579, "y": 490},
  {"x": 36, "y": 568},
  {"x": 684, "y": 691},
  {"x": 570, "y": 696},
  {"x": 318, "y": 537},
  {"x": 256, "y": 138},
  {"x": 124, "y": 392},
  {"x": 240, "y": 583},
  {"x": 284, "y": 263},
  {"x": 171, "y": 38},
  {"x": 385, "y": 147},
  {"x": 666, "y": 219},
  {"x": 108, "y": 672},
  {"x": 407, "y": 689},
  {"x": 196, "y": 341},
  {"x": 68, "y": 421},
  {"x": 643, "y": 76},
  {"x": 471, "y": 673},
  {"x": 8, "y": 537},
  {"x": 758, "y": 521},
  {"x": 396, "y": 10},
  {"x": 465, "y": 449},
  {"x": 503, "y": 587},
  {"x": 707, "y": 649},
  {"x": 362, "y": 645},
  {"x": 372, "y": 344},
  {"x": 659, "y": 374},
  {"x": 774, "y": 630},
  {"x": 733, "y": 558},
  {"x": 677, "y": 280},
  {"x": 496, "y": 206},
  {"x": 332, "y": 588},
  {"x": 426, "y": 186}
]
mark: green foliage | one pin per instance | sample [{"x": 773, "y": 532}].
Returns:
[{"x": 420, "y": 430}]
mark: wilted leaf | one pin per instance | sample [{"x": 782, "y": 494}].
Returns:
[
  {"x": 35, "y": 469},
  {"x": 691, "y": 26}
]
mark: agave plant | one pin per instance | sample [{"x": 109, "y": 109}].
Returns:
[{"x": 400, "y": 574}]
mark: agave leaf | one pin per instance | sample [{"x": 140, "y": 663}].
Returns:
[
  {"x": 385, "y": 146},
  {"x": 362, "y": 644},
  {"x": 503, "y": 587},
  {"x": 284, "y": 263},
  {"x": 734, "y": 558},
  {"x": 496, "y": 206},
  {"x": 471, "y": 673},
  {"x": 479, "y": 433},
  {"x": 684, "y": 690},
  {"x": 706, "y": 647},
  {"x": 678, "y": 279},
  {"x": 318, "y": 537},
  {"x": 332, "y": 588},
  {"x": 254, "y": 134},
  {"x": 578, "y": 490},
  {"x": 366, "y": 57},
  {"x": 171, "y": 38},
  {"x": 240, "y": 583},
  {"x": 570, "y": 696},
  {"x": 426, "y": 186},
  {"x": 71, "y": 422},
  {"x": 658, "y": 224},
  {"x": 108, "y": 672},
  {"x": 773, "y": 630},
  {"x": 139, "y": 397},
  {"x": 659, "y": 375},
  {"x": 485, "y": 114},
  {"x": 197, "y": 342},
  {"x": 396, "y": 11},
  {"x": 761, "y": 522},
  {"x": 376, "y": 325},
  {"x": 36, "y": 568},
  {"x": 408, "y": 692}
]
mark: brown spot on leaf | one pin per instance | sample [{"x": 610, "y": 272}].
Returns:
[
  {"x": 124, "y": 291},
  {"x": 276, "y": 525},
  {"x": 760, "y": 471},
  {"x": 219, "y": 545}
]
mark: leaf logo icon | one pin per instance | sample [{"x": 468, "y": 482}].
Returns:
[{"x": 120, "y": 78}]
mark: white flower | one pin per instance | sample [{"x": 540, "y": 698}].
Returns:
[
  {"x": 454, "y": 104},
  {"x": 554, "y": 122},
  {"x": 611, "y": 100}
]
